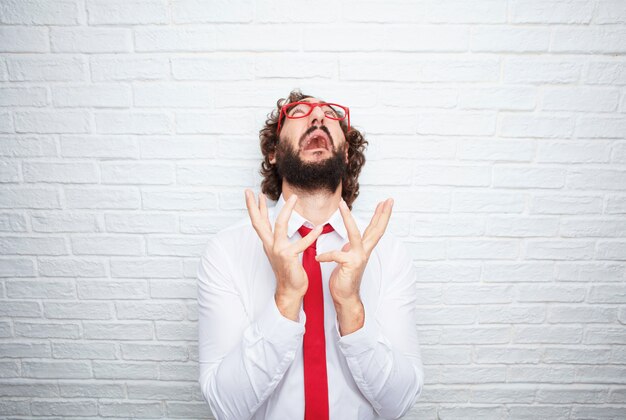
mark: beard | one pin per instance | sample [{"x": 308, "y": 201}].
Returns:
[{"x": 325, "y": 175}]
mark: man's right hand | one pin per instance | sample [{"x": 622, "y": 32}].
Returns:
[{"x": 291, "y": 279}]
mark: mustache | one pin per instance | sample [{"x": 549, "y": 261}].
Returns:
[{"x": 312, "y": 129}]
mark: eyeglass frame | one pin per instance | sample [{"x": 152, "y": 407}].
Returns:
[{"x": 312, "y": 105}]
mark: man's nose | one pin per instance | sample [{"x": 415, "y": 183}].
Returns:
[{"x": 317, "y": 114}]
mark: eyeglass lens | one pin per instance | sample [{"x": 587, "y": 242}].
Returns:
[{"x": 303, "y": 109}]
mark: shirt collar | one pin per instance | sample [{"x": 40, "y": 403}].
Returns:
[{"x": 296, "y": 220}]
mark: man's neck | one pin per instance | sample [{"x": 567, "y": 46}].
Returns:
[{"x": 315, "y": 206}]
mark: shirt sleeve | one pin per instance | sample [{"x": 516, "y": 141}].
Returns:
[
  {"x": 241, "y": 360},
  {"x": 383, "y": 355}
]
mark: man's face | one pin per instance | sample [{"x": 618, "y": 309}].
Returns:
[
  {"x": 311, "y": 153},
  {"x": 315, "y": 137}
]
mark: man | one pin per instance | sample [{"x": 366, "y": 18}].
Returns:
[{"x": 304, "y": 310}]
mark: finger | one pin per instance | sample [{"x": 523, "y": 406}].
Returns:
[
  {"x": 373, "y": 221},
  {"x": 255, "y": 217},
  {"x": 305, "y": 242},
  {"x": 336, "y": 256},
  {"x": 263, "y": 211},
  {"x": 353, "y": 231},
  {"x": 280, "y": 229},
  {"x": 379, "y": 229}
]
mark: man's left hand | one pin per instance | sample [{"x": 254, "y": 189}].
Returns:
[{"x": 345, "y": 280}]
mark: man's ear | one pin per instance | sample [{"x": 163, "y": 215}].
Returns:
[{"x": 272, "y": 157}]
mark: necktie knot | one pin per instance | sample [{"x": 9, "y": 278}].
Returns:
[{"x": 303, "y": 230}]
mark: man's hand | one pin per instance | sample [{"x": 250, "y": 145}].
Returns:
[
  {"x": 291, "y": 279},
  {"x": 345, "y": 280}
]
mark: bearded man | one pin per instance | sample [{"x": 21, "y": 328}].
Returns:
[{"x": 304, "y": 310}]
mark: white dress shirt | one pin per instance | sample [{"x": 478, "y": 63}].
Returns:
[{"x": 250, "y": 355}]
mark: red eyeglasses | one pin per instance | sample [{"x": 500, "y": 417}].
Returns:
[{"x": 295, "y": 110}]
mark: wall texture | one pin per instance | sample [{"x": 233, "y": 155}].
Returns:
[{"x": 129, "y": 129}]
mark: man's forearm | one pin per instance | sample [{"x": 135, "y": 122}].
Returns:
[{"x": 350, "y": 316}]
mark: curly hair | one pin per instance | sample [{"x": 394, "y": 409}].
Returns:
[{"x": 271, "y": 185}]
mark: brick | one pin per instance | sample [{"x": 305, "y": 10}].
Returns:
[
  {"x": 27, "y": 388},
  {"x": 179, "y": 95},
  {"x": 607, "y": 294},
  {"x": 449, "y": 316},
  {"x": 593, "y": 272},
  {"x": 541, "y": 293},
  {"x": 527, "y": 125},
  {"x": 24, "y": 350},
  {"x": 97, "y": 95},
  {"x": 517, "y": 272},
  {"x": 14, "y": 407},
  {"x": 590, "y": 39},
  {"x": 56, "y": 370},
  {"x": 196, "y": 11},
  {"x": 9, "y": 369},
  {"x": 71, "y": 267},
  {"x": 124, "y": 370},
  {"x": 176, "y": 331},
  {"x": 23, "y": 309},
  {"x": 77, "y": 310},
  {"x": 28, "y": 145},
  {"x": 137, "y": 173},
  {"x": 40, "y": 12},
  {"x": 40, "y": 289},
  {"x": 521, "y": 226},
  {"x": 601, "y": 127},
  {"x": 436, "y": 226},
  {"x": 505, "y": 98},
  {"x": 130, "y": 409},
  {"x": 605, "y": 335},
  {"x": 575, "y": 355},
  {"x": 511, "y": 314},
  {"x": 212, "y": 68},
  {"x": 207, "y": 223},
  {"x": 161, "y": 391},
  {"x": 311, "y": 65},
  {"x": 458, "y": 11},
  {"x": 174, "y": 39},
  {"x": 485, "y": 149},
  {"x": 212, "y": 174},
  {"x": 581, "y": 314},
  {"x": 150, "y": 311},
  {"x": 64, "y": 408},
  {"x": 501, "y": 202},
  {"x": 461, "y": 294},
  {"x": 510, "y": 39},
  {"x": 559, "y": 249},
  {"x": 84, "y": 389},
  {"x": 103, "y": 12},
  {"x": 146, "y": 268},
  {"x": 566, "y": 204},
  {"x": 464, "y": 175},
  {"x": 503, "y": 393},
  {"x": 9, "y": 172},
  {"x": 547, "y": 334},
  {"x": 176, "y": 246},
  {"x": 435, "y": 38},
  {"x": 580, "y": 99},
  {"x": 420, "y": 70},
  {"x": 64, "y": 221},
  {"x": 61, "y": 68},
  {"x": 573, "y": 151},
  {"x": 120, "y": 67},
  {"x": 107, "y": 245},
  {"x": 449, "y": 123},
  {"x": 187, "y": 409},
  {"x": 95, "y": 146},
  {"x": 156, "y": 352},
  {"x": 109, "y": 289},
  {"x": 175, "y": 371},
  {"x": 616, "y": 205},
  {"x": 23, "y": 39},
  {"x": 12, "y": 222},
  {"x": 17, "y": 267},
  {"x": 35, "y": 96},
  {"x": 551, "y": 11},
  {"x": 179, "y": 147},
  {"x": 285, "y": 37},
  {"x": 587, "y": 227},
  {"x": 611, "y": 251},
  {"x": 52, "y": 122},
  {"x": 118, "y": 331},
  {"x": 507, "y": 354},
  {"x": 606, "y": 73},
  {"x": 84, "y": 351},
  {"x": 222, "y": 122},
  {"x": 90, "y": 40},
  {"x": 540, "y": 70},
  {"x": 167, "y": 289},
  {"x": 597, "y": 179},
  {"x": 21, "y": 245},
  {"x": 528, "y": 177},
  {"x": 103, "y": 198},
  {"x": 179, "y": 199},
  {"x": 611, "y": 11},
  {"x": 64, "y": 172},
  {"x": 118, "y": 122},
  {"x": 140, "y": 223},
  {"x": 6, "y": 123}
]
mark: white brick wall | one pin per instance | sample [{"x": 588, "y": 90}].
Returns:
[{"x": 129, "y": 129}]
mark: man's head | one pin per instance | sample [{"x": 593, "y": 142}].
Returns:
[{"x": 315, "y": 152}]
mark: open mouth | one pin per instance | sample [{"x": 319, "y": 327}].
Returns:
[{"x": 317, "y": 141}]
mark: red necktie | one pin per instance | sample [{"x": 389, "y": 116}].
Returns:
[{"x": 314, "y": 347}]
